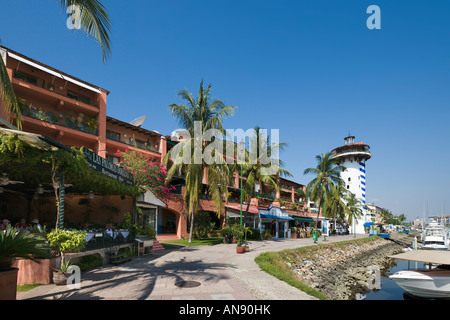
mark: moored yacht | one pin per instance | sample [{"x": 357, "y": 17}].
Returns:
[
  {"x": 435, "y": 237},
  {"x": 425, "y": 283}
]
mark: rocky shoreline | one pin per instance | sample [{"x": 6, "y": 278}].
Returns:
[{"x": 341, "y": 271}]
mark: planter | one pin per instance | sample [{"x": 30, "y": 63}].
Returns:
[
  {"x": 233, "y": 240},
  {"x": 35, "y": 272},
  {"x": 8, "y": 284},
  {"x": 247, "y": 248},
  {"x": 240, "y": 249},
  {"x": 60, "y": 279}
]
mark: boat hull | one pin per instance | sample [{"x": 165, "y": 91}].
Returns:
[{"x": 424, "y": 283}]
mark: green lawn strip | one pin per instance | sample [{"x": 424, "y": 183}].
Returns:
[
  {"x": 26, "y": 287},
  {"x": 195, "y": 242},
  {"x": 274, "y": 263}
]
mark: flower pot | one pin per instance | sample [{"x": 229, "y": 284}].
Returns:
[
  {"x": 240, "y": 249},
  {"x": 8, "y": 284},
  {"x": 233, "y": 240},
  {"x": 247, "y": 248},
  {"x": 59, "y": 278}
]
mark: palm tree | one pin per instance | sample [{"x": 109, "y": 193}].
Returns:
[
  {"x": 93, "y": 20},
  {"x": 335, "y": 205},
  {"x": 255, "y": 171},
  {"x": 327, "y": 174},
  {"x": 189, "y": 154},
  {"x": 386, "y": 215},
  {"x": 355, "y": 209}
]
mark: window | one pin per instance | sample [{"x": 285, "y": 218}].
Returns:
[
  {"x": 113, "y": 135},
  {"x": 348, "y": 187},
  {"x": 349, "y": 179},
  {"x": 27, "y": 78},
  {"x": 78, "y": 97},
  {"x": 141, "y": 144}
]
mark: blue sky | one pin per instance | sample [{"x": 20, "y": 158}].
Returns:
[{"x": 311, "y": 69}]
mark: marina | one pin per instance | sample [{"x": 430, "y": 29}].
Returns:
[{"x": 416, "y": 274}]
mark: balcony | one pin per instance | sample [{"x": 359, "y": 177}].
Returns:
[
  {"x": 48, "y": 97},
  {"x": 71, "y": 120},
  {"x": 112, "y": 136}
]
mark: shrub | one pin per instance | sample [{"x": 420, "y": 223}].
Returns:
[
  {"x": 203, "y": 225},
  {"x": 267, "y": 235},
  {"x": 90, "y": 262}
]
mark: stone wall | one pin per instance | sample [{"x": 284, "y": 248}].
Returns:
[{"x": 340, "y": 271}]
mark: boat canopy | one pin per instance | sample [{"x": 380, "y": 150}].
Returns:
[{"x": 427, "y": 256}]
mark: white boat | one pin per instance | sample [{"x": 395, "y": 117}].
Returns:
[
  {"x": 435, "y": 237},
  {"x": 425, "y": 283}
]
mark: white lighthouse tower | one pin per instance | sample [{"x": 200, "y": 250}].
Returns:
[{"x": 354, "y": 156}]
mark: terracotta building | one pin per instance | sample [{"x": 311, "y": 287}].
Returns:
[{"x": 74, "y": 113}]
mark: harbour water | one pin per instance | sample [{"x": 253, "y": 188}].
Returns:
[{"x": 389, "y": 289}]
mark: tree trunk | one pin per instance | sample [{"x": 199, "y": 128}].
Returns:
[{"x": 192, "y": 228}]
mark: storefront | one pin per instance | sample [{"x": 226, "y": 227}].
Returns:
[
  {"x": 276, "y": 221},
  {"x": 233, "y": 215},
  {"x": 151, "y": 210}
]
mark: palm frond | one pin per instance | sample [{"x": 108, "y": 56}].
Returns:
[
  {"x": 94, "y": 21},
  {"x": 8, "y": 97}
]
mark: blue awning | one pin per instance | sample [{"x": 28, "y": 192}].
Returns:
[
  {"x": 368, "y": 224},
  {"x": 268, "y": 216}
]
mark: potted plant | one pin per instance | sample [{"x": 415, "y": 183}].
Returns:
[
  {"x": 247, "y": 230},
  {"x": 17, "y": 244},
  {"x": 294, "y": 232},
  {"x": 61, "y": 274},
  {"x": 239, "y": 235},
  {"x": 65, "y": 241}
]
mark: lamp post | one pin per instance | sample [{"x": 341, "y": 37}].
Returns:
[{"x": 242, "y": 161}]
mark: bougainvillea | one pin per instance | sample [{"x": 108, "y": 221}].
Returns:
[{"x": 148, "y": 174}]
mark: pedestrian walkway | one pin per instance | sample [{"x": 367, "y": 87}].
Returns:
[{"x": 215, "y": 273}]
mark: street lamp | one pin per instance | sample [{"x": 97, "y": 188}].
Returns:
[{"x": 242, "y": 161}]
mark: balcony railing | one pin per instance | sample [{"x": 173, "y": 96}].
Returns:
[
  {"x": 76, "y": 121},
  {"x": 41, "y": 84},
  {"x": 131, "y": 142}
]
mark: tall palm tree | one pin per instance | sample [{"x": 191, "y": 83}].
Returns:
[
  {"x": 355, "y": 209},
  {"x": 255, "y": 171},
  {"x": 327, "y": 174},
  {"x": 188, "y": 155},
  {"x": 93, "y": 20},
  {"x": 335, "y": 204}
]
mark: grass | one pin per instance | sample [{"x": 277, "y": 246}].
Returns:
[
  {"x": 274, "y": 263},
  {"x": 26, "y": 287},
  {"x": 195, "y": 242}
]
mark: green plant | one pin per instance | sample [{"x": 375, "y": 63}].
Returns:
[
  {"x": 92, "y": 125},
  {"x": 65, "y": 265},
  {"x": 90, "y": 262},
  {"x": 203, "y": 225},
  {"x": 238, "y": 233},
  {"x": 67, "y": 241},
  {"x": 17, "y": 244},
  {"x": 267, "y": 235},
  {"x": 37, "y": 229},
  {"x": 148, "y": 231}
]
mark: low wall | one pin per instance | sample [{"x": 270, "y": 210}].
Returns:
[
  {"x": 31, "y": 272},
  {"x": 340, "y": 271}
]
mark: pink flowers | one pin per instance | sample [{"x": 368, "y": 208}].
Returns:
[{"x": 148, "y": 173}]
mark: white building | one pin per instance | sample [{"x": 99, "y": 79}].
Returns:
[{"x": 354, "y": 156}]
